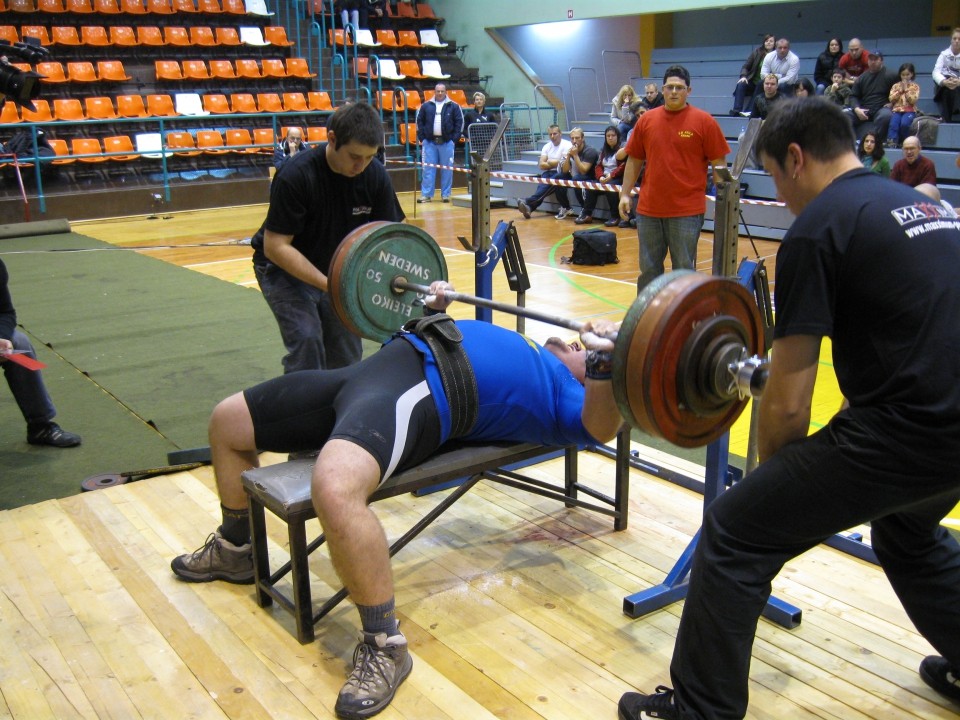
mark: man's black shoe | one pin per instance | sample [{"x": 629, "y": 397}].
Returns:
[
  {"x": 941, "y": 676},
  {"x": 658, "y": 705},
  {"x": 51, "y": 434}
]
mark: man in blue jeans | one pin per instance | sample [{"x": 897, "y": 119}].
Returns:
[
  {"x": 673, "y": 144},
  {"x": 439, "y": 126},
  {"x": 27, "y": 385},
  {"x": 320, "y": 197}
]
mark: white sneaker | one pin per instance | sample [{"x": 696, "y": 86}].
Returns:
[{"x": 563, "y": 213}]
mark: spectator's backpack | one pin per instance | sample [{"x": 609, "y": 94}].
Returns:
[
  {"x": 593, "y": 247},
  {"x": 925, "y": 127}
]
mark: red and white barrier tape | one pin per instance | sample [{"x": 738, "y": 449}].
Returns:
[{"x": 582, "y": 184}]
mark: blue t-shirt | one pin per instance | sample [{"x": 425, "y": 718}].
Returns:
[
  {"x": 875, "y": 266},
  {"x": 526, "y": 394}
]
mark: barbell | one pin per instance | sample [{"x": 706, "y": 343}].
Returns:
[{"x": 684, "y": 359}]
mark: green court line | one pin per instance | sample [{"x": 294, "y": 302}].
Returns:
[{"x": 569, "y": 279}]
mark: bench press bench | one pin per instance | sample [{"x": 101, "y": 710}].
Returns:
[{"x": 284, "y": 489}]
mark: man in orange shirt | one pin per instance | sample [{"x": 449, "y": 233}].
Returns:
[{"x": 676, "y": 142}]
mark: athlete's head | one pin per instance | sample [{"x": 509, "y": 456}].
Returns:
[{"x": 572, "y": 355}]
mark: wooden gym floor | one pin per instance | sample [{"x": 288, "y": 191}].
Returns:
[{"x": 511, "y": 603}]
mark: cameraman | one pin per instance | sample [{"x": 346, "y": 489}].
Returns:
[{"x": 289, "y": 146}]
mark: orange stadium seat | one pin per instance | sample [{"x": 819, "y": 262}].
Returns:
[
  {"x": 203, "y": 36},
  {"x": 228, "y": 36},
  {"x": 411, "y": 69},
  {"x": 62, "y": 150},
  {"x": 168, "y": 70},
  {"x": 51, "y": 6},
  {"x": 295, "y": 102},
  {"x": 387, "y": 38},
  {"x": 264, "y": 138},
  {"x": 79, "y": 6},
  {"x": 211, "y": 142},
  {"x": 106, "y": 7},
  {"x": 237, "y": 139},
  {"x": 412, "y": 100},
  {"x": 182, "y": 143},
  {"x": 133, "y": 7},
  {"x": 216, "y": 104},
  {"x": 100, "y": 108},
  {"x": 38, "y": 31},
  {"x": 184, "y": 6},
  {"x": 243, "y": 103},
  {"x": 277, "y": 35},
  {"x": 408, "y": 133},
  {"x": 273, "y": 67},
  {"x": 22, "y": 6},
  {"x": 160, "y": 106},
  {"x": 159, "y": 7},
  {"x": 195, "y": 70},
  {"x": 269, "y": 102},
  {"x": 9, "y": 114},
  {"x": 248, "y": 69},
  {"x": 131, "y": 106},
  {"x": 316, "y": 135},
  {"x": 210, "y": 7},
  {"x": 10, "y": 34},
  {"x": 62, "y": 35},
  {"x": 67, "y": 109},
  {"x": 81, "y": 71},
  {"x": 52, "y": 72},
  {"x": 150, "y": 35},
  {"x": 120, "y": 144},
  {"x": 222, "y": 69},
  {"x": 297, "y": 67},
  {"x": 94, "y": 35},
  {"x": 318, "y": 100},
  {"x": 112, "y": 71},
  {"x": 123, "y": 35},
  {"x": 176, "y": 36},
  {"x": 408, "y": 38},
  {"x": 41, "y": 113},
  {"x": 87, "y": 146},
  {"x": 234, "y": 7}
]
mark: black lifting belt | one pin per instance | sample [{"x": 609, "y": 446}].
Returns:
[{"x": 444, "y": 339}]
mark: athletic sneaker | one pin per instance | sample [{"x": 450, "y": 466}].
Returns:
[
  {"x": 217, "y": 559},
  {"x": 380, "y": 664},
  {"x": 524, "y": 209},
  {"x": 563, "y": 213},
  {"x": 49, "y": 433},
  {"x": 941, "y": 676},
  {"x": 658, "y": 705}
]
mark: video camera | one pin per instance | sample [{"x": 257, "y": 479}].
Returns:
[{"x": 20, "y": 86}]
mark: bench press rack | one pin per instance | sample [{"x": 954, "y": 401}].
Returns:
[{"x": 284, "y": 489}]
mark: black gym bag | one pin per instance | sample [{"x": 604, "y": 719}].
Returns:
[{"x": 593, "y": 247}]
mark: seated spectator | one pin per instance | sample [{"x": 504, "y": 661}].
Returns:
[
  {"x": 913, "y": 169},
  {"x": 827, "y": 62},
  {"x": 784, "y": 64},
  {"x": 376, "y": 11},
  {"x": 872, "y": 156},
  {"x": 869, "y": 97},
  {"x": 804, "y": 88},
  {"x": 771, "y": 94},
  {"x": 621, "y": 115},
  {"x": 349, "y": 11},
  {"x": 477, "y": 114},
  {"x": 750, "y": 76},
  {"x": 292, "y": 144},
  {"x": 652, "y": 98},
  {"x": 27, "y": 386},
  {"x": 946, "y": 75},
  {"x": 551, "y": 156},
  {"x": 903, "y": 105},
  {"x": 855, "y": 61},
  {"x": 608, "y": 170},
  {"x": 838, "y": 91},
  {"x": 578, "y": 165}
]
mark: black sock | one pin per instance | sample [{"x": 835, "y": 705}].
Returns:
[{"x": 236, "y": 525}]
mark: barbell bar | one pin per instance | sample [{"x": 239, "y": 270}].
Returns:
[{"x": 684, "y": 359}]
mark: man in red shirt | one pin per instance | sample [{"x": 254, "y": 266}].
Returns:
[
  {"x": 913, "y": 169},
  {"x": 675, "y": 142},
  {"x": 854, "y": 61}
]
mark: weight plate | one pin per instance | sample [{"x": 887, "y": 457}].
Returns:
[
  {"x": 99, "y": 482},
  {"x": 650, "y": 362},
  {"x": 362, "y": 271}
]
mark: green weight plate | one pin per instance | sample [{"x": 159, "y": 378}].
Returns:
[{"x": 364, "y": 267}]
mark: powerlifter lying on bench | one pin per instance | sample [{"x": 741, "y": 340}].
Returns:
[{"x": 469, "y": 380}]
